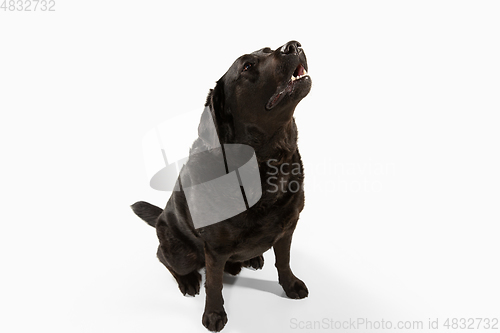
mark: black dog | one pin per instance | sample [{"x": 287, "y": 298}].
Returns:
[{"x": 252, "y": 104}]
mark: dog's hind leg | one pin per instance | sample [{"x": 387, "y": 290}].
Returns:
[{"x": 187, "y": 278}]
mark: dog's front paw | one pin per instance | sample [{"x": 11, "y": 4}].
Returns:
[
  {"x": 255, "y": 263},
  {"x": 214, "y": 321},
  {"x": 295, "y": 288}
]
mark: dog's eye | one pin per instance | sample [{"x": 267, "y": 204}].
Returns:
[{"x": 247, "y": 66}]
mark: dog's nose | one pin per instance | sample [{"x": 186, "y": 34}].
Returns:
[{"x": 292, "y": 47}]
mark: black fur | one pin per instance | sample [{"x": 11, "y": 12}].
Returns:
[{"x": 243, "y": 105}]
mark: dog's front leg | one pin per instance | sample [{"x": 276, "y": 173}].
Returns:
[
  {"x": 293, "y": 286},
  {"x": 214, "y": 317}
]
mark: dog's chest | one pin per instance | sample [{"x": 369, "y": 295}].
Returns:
[{"x": 264, "y": 223}]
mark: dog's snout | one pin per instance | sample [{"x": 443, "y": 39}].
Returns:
[{"x": 292, "y": 47}]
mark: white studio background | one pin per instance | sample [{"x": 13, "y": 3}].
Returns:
[{"x": 399, "y": 138}]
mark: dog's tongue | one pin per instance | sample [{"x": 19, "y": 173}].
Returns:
[{"x": 299, "y": 71}]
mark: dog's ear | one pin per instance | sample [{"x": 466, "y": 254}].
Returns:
[{"x": 220, "y": 112}]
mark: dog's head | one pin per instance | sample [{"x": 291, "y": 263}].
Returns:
[{"x": 260, "y": 91}]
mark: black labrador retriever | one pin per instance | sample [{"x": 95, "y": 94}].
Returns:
[{"x": 252, "y": 104}]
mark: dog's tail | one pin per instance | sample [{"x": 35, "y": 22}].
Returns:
[{"x": 147, "y": 212}]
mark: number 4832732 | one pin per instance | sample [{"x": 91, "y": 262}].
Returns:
[{"x": 28, "y": 5}]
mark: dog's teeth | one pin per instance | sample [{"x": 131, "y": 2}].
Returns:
[{"x": 299, "y": 76}]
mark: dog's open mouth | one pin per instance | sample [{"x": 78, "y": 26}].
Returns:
[{"x": 298, "y": 75}]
